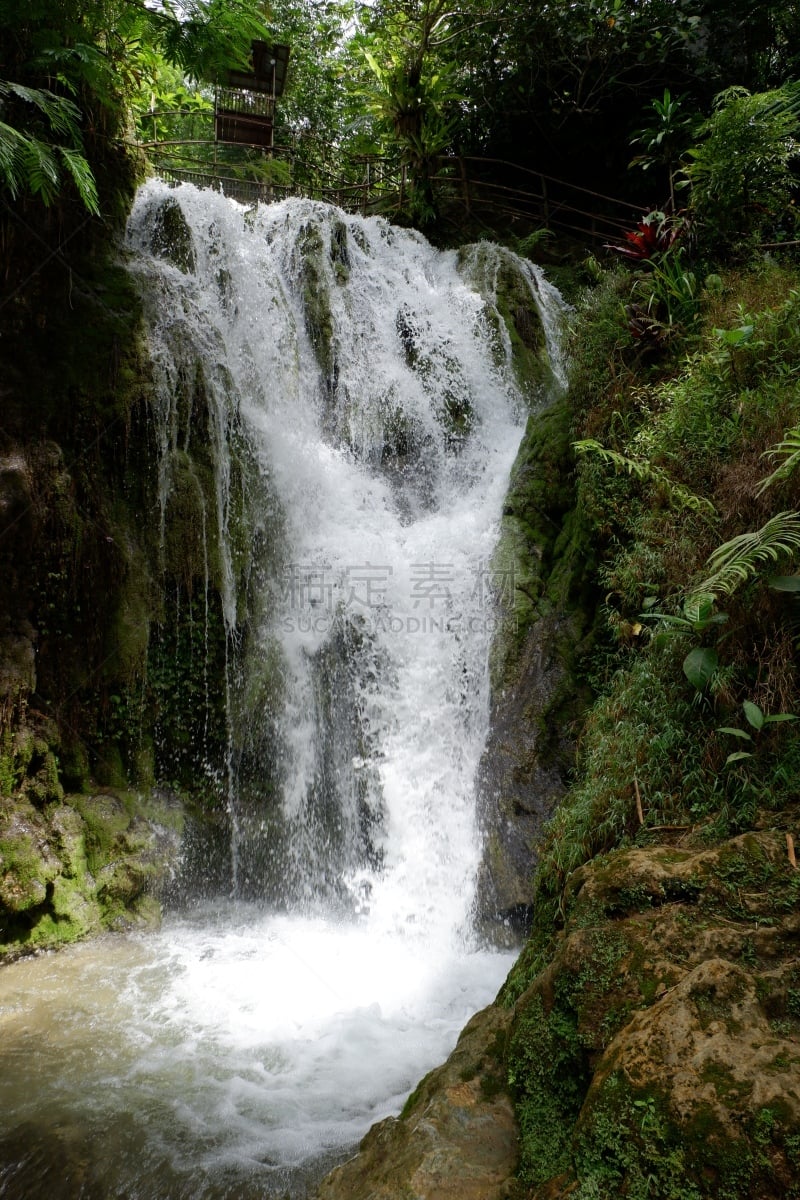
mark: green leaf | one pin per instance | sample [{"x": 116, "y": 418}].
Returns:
[
  {"x": 754, "y": 714},
  {"x": 737, "y": 756},
  {"x": 735, "y": 337},
  {"x": 82, "y": 177},
  {"x": 785, "y": 583},
  {"x": 740, "y": 733},
  {"x": 700, "y": 665},
  {"x": 778, "y": 718},
  {"x": 737, "y": 561}
]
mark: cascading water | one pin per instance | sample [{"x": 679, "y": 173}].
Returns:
[{"x": 255, "y": 1039}]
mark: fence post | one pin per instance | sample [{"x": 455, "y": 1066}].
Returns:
[{"x": 465, "y": 184}]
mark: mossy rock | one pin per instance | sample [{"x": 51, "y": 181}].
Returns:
[
  {"x": 656, "y": 1037},
  {"x": 456, "y": 1137},
  {"x": 316, "y": 299},
  {"x": 28, "y": 861},
  {"x": 171, "y": 237},
  {"x": 98, "y": 861}
]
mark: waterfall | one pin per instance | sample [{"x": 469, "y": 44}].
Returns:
[
  {"x": 371, "y": 385},
  {"x": 373, "y": 378}
]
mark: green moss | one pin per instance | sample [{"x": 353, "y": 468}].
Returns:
[
  {"x": 629, "y": 1145},
  {"x": 543, "y": 556},
  {"x": 106, "y": 818},
  {"x": 415, "y": 1097},
  {"x": 548, "y": 1075},
  {"x": 24, "y": 872},
  {"x": 316, "y": 300}
]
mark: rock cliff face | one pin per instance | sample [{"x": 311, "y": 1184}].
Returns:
[
  {"x": 547, "y": 609},
  {"x": 97, "y": 629},
  {"x": 650, "y": 1047}
]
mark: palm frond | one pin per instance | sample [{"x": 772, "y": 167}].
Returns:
[
  {"x": 677, "y": 494},
  {"x": 789, "y": 447},
  {"x": 739, "y": 560}
]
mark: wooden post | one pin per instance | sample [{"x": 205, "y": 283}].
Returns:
[
  {"x": 464, "y": 184},
  {"x": 639, "y": 812}
]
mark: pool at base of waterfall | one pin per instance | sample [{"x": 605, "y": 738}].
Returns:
[{"x": 238, "y": 1053}]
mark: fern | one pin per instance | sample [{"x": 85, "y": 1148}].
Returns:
[
  {"x": 82, "y": 177},
  {"x": 678, "y": 495},
  {"x": 41, "y": 170},
  {"x": 30, "y": 164},
  {"x": 737, "y": 561},
  {"x": 790, "y": 448}
]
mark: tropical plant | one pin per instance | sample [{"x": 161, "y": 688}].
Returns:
[
  {"x": 665, "y": 139},
  {"x": 737, "y": 561},
  {"x": 72, "y": 70},
  {"x": 414, "y": 92},
  {"x": 789, "y": 449},
  {"x": 757, "y": 720},
  {"x": 653, "y": 235},
  {"x": 678, "y": 495},
  {"x": 669, "y": 291},
  {"x": 36, "y": 164},
  {"x": 740, "y": 170}
]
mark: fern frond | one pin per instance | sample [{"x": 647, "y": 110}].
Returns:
[
  {"x": 41, "y": 170},
  {"x": 739, "y": 560},
  {"x": 82, "y": 177},
  {"x": 678, "y": 495},
  {"x": 790, "y": 448},
  {"x": 12, "y": 145},
  {"x": 61, "y": 114}
]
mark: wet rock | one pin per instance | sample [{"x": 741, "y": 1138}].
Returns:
[
  {"x": 171, "y": 237},
  {"x": 539, "y": 572},
  {"x": 456, "y": 1138},
  {"x": 89, "y": 863}
]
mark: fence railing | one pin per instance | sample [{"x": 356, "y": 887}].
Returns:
[{"x": 477, "y": 187}]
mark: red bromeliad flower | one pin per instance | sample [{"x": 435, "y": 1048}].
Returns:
[{"x": 654, "y": 234}]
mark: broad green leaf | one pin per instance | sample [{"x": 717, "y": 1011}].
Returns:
[
  {"x": 778, "y": 718},
  {"x": 737, "y": 756},
  {"x": 754, "y": 714},
  {"x": 785, "y": 583},
  {"x": 740, "y": 733},
  {"x": 700, "y": 665}
]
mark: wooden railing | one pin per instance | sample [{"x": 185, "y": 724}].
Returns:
[{"x": 479, "y": 188}]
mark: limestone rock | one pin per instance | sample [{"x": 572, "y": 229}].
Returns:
[
  {"x": 456, "y": 1138},
  {"x": 91, "y": 862},
  {"x": 658, "y": 1036}
]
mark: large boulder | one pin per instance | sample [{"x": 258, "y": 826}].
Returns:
[{"x": 456, "y": 1138}]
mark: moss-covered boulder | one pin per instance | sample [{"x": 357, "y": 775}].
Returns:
[
  {"x": 655, "y": 1050},
  {"x": 456, "y": 1138},
  {"x": 88, "y": 863}
]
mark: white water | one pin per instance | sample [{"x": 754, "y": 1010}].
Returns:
[{"x": 245, "y": 1048}]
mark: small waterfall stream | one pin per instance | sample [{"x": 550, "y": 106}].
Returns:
[{"x": 253, "y": 1041}]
